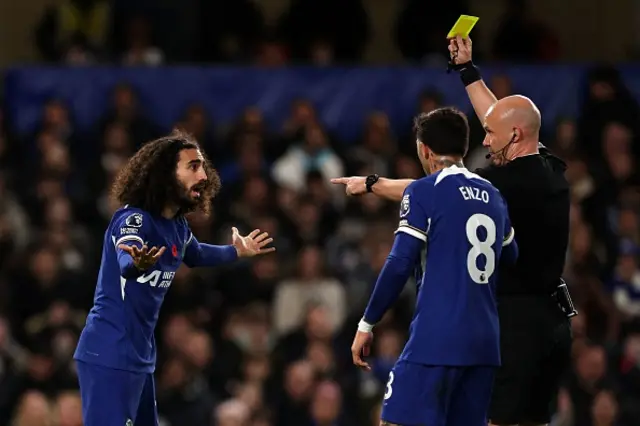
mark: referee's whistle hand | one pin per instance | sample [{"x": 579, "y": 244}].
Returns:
[
  {"x": 354, "y": 185},
  {"x": 361, "y": 347}
]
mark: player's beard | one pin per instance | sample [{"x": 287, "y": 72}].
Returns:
[{"x": 185, "y": 200}]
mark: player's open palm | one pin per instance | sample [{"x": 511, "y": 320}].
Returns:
[
  {"x": 143, "y": 258},
  {"x": 460, "y": 50},
  {"x": 360, "y": 348},
  {"x": 253, "y": 244}
]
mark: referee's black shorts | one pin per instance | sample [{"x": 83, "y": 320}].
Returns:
[{"x": 535, "y": 340}]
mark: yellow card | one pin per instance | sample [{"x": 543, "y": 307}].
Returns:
[{"x": 463, "y": 26}]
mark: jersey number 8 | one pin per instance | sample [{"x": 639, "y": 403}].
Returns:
[{"x": 478, "y": 247}]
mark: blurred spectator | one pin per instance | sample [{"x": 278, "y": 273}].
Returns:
[
  {"x": 197, "y": 121},
  {"x": 311, "y": 154},
  {"x": 521, "y": 37},
  {"x": 606, "y": 100},
  {"x": 14, "y": 223},
  {"x": 309, "y": 286},
  {"x": 377, "y": 147},
  {"x": 34, "y": 409},
  {"x": 626, "y": 289},
  {"x": 590, "y": 378},
  {"x": 124, "y": 110},
  {"x": 421, "y": 25},
  {"x": 140, "y": 50},
  {"x": 68, "y": 409},
  {"x": 605, "y": 409},
  {"x": 73, "y": 29},
  {"x": 310, "y": 24},
  {"x": 565, "y": 138},
  {"x": 230, "y": 33}
]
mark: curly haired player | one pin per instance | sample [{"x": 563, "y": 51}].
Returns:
[{"x": 147, "y": 240}]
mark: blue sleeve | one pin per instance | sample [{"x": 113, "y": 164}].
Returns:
[
  {"x": 130, "y": 229},
  {"x": 410, "y": 239},
  {"x": 201, "y": 254},
  {"x": 394, "y": 275},
  {"x": 509, "y": 244},
  {"x": 414, "y": 218}
]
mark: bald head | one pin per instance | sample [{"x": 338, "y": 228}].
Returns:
[
  {"x": 518, "y": 111},
  {"x": 513, "y": 128}
]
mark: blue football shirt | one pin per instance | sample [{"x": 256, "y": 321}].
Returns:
[
  {"x": 462, "y": 222},
  {"x": 119, "y": 332}
]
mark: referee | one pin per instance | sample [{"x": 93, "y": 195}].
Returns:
[{"x": 533, "y": 303}]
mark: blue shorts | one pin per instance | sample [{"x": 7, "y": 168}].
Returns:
[
  {"x": 113, "y": 397},
  {"x": 421, "y": 395}
]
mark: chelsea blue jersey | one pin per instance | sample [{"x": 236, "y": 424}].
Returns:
[
  {"x": 462, "y": 221},
  {"x": 119, "y": 332}
]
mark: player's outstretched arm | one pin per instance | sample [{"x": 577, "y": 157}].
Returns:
[
  {"x": 390, "y": 189},
  {"x": 479, "y": 94},
  {"x": 201, "y": 254}
]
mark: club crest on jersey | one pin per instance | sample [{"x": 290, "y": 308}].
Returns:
[
  {"x": 134, "y": 220},
  {"x": 174, "y": 251},
  {"x": 405, "y": 206}
]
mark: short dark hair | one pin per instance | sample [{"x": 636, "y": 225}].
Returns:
[
  {"x": 148, "y": 180},
  {"x": 444, "y": 130}
]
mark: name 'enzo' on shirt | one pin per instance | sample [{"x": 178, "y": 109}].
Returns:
[{"x": 473, "y": 193}]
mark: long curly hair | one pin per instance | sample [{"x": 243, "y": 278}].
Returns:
[{"x": 148, "y": 180}]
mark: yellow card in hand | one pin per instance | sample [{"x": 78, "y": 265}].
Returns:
[{"x": 463, "y": 26}]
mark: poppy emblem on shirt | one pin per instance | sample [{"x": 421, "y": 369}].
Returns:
[{"x": 174, "y": 251}]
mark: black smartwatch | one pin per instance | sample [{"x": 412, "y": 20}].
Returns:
[{"x": 370, "y": 181}]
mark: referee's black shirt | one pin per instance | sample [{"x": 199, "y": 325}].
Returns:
[{"x": 537, "y": 196}]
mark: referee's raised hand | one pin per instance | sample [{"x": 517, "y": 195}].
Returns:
[
  {"x": 460, "y": 50},
  {"x": 143, "y": 258}
]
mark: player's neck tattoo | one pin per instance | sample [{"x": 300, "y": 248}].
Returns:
[{"x": 444, "y": 162}]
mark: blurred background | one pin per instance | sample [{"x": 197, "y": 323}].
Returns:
[{"x": 284, "y": 95}]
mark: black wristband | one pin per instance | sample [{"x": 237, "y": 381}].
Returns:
[
  {"x": 469, "y": 73},
  {"x": 370, "y": 181}
]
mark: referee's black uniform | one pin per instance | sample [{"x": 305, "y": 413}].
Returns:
[{"x": 535, "y": 331}]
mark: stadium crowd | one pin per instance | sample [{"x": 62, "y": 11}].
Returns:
[{"x": 266, "y": 343}]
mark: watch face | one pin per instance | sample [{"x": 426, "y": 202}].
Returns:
[{"x": 370, "y": 181}]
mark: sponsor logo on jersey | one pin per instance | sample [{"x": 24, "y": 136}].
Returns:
[{"x": 157, "y": 279}]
